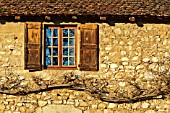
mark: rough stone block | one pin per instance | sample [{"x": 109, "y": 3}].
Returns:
[{"x": 60, "y": 109}]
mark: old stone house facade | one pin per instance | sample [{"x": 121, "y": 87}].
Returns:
[{"x": 84, "y": 56}]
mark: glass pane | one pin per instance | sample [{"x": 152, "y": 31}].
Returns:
[
  {"x": 48, "y": 61},
  {"x": 71, "y": 42},
  {"x": 65, "y": 41},
  {"x": 65, "y": 51},
  {"x": 55, "y": 32},
  {"x": 65, "y": 32},
  {"x": 71, "y": 61},
  {"x": 55, "y": 41},
  {"x": 71, "y": 51},
  {"x": 48, "y": 42},
  {"x": 65, "y": 61},
  {"x": 71, "y": 32},
  {"x": 48, "y": 51},
  {"x": 55, "y": 51},
  {"x": 48, "y": 32},
  {"x": 55, "y": 60}
]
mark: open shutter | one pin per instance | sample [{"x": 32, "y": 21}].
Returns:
[
  {"x": 89, "y": 47},
  {"x": 33, "y": 46}
]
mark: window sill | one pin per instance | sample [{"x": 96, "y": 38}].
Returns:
[{"x": 61, "y": 68}]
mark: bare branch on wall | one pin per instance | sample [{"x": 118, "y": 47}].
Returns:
[{"x": 124, "y": 91}]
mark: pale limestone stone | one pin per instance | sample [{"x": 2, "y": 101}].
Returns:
[
  {"x": 113, "y": 66},
  {"x": 130, "y": 67},
  {"x": 76, "y": 102},
  {"x": 145, "y": 59},
  {"x": 60, "y": 109},
  {"x": 83, "y": 104},
  {"x": 2, "y": 107},
  {"x": 123, "y": 52},
  {"x": 72, "y": 97},
  {"x": 150, "y": 111},
  {"x": 57, "y": 102},
  {"x": 126, "y": 32},
  {"x": 135, "y": 58},
  {"x": 70, "y": 102},
  {"x": 149, "y": 27},
  {"x": 155, "y": 59},
  {"x": 162, "y": 68},
  {"x": 103, "y": 65},
  {"x": 112, "y": 105},
  {"x": 118, "y": 31},
  {"x": 135, "y": 105},
  {"x": 122, "y": 84},
  {"x": 19, "y": 104},
  {"x": 22, "y": 109},
  {"x": 106, "y": 58},
  {"x": 125, "y": 63},
  {"x": 13, "y": 108},
  {"x": 115, "y": 42},
  {"x": 153, "y": 66},
  {"x": 145, "y": 105},
  {"x": 11, "y": 46},
  {"x": 121, "y": 42},
  {"x": 130, "y": 43},
  {"x": 39, "y": 110},
  {"x": 108, "y": 111},
  {"x": 139, "y": 67},
  {"x": 167, "y": 54},
  {"x": 113, "y": 37},
  {"x": 7, "y": 107},
  {"x": 6, "y": 103},
  {"x": 101, "y": 106},
  {"x": 2, "y": 52},
  {"x": 165, "y": 42},
  {"x": 108, "y": 48},
  {"x": 49, "y": 102},
  {"x": 94, "y": 106},
  {"x": 44, "y": 94},
  {"x": 124, "y": 59},
  {"x": 42, "y": 103}
]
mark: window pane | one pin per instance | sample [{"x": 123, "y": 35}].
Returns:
[
  {"x": 71, "y": 51},
  {"x": 55, "y": 51},
  {"x": 71, "y": 61},
  {"x": 48, "y": 32},
  {"x": 65, "y": 61},
  {"x": 65, "y": 51},
  {"x": 55, "y": 61},
  {"x": 65, "y": 41},
  {"x": 71, "y": 42},
  {"x": 71, "y": 32},
  {"x": 48, "y": 61},
  {"x": 48, "y": 51},
  {"x": 65, "y": 32},
  {"x": 55, "y": 41},
  {"x": 48, "y": 42},
  {"x": 55, "y": 33}
]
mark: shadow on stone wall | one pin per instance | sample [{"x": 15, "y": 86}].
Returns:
[{"x": 153, "y": 86}]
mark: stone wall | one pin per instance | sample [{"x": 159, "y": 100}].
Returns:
[{"x": 128, "y": 55}]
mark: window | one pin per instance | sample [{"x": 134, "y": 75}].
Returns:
[{"x": 60, "y": 47}]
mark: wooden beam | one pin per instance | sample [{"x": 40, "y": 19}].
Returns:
[
  {"x": 103, "y": 18},
  {"x": 47, "y": 17},
  {"x": 17, "y": 17},
  {"x": 74, "y": 17},
  {"x": 132, "y": 19}
]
